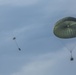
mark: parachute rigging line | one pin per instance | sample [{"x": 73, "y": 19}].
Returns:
[{"x": 70, "y": 50}]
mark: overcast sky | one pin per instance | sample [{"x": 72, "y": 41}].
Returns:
[{"x": 32, "y": 23}]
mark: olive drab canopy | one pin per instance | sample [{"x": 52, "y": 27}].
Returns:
[{"x": 65, "y": 28}]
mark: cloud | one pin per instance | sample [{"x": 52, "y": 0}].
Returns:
[
  {"x": 37, "y": 67},
  {"x": 42, "y": 64},
  {"x": 50, "y": 63},
  {"x": 33, "y": 24},
  {"x": 18, "y": 2}
]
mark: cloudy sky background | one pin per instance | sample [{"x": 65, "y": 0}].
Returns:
[{"x": 32, "y": 22}]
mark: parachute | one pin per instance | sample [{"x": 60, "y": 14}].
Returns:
[{"x": 65, "y": 29}]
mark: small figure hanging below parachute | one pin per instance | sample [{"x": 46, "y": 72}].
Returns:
[
  {"x": 66, "y": 29},
  {"x": 14, "y": 38}
]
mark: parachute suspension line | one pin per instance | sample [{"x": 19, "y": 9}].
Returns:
[
  {"x": 14, "y": 38},
  {"x": 71, "y": 50},
  {"x": 65, "y": 46}
]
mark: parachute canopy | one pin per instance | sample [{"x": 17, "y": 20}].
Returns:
[{"x": 65, "y": 28}]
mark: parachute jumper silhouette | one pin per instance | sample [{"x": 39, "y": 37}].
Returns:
[
  {"x": 65, "y": 28},
  {"x": 14, "y": 38}
]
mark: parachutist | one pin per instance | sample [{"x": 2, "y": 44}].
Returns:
[
  {"x": 71, "y": 59},
  {"x": 19, "y": 49},
  {"x": 14, "y": 38}
]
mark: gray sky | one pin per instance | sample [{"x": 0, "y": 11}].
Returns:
[{"x": 32, "y": 22}]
